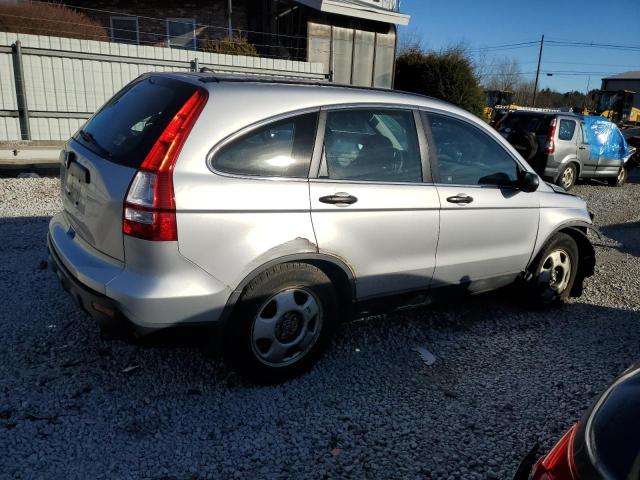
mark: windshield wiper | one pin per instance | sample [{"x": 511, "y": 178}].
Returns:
[{"x": 88, "y": 137}]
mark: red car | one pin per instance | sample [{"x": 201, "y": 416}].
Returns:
[{"x": 604, "y": 444}]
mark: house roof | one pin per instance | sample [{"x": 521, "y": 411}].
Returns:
[
  {"x": 632, "y": 75},
  {"x": 378, "y": 10}
]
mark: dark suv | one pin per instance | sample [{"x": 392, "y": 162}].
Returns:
[{"x": 563, "y": 147}]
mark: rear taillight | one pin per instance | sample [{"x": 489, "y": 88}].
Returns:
[
  {"x": 150, "y": 206},
  {"x": 550, "y": 146},
  {"x": 558, "y": 464}
]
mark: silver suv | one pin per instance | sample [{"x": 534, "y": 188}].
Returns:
[
  {"x": 271, "y": 210},
  {"x": 557, "y": 146}
]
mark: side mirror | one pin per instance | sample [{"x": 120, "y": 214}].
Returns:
[{"x": 529, "y": 182}]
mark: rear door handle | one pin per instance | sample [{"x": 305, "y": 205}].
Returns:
[
  {"x": 341, "y": 199},
  {"x": 582, "y": 148},
  {"x": 460, "y": 198}
]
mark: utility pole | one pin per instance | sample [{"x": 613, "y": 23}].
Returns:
[
  {"x": 584, "y": 104},
  {"x": 229, "y": 12},
  {"x": 535, "y": 87}
]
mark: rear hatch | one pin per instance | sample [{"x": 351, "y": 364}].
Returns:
[
  {"x": 514, "y": 124},
  {"x": 102, "y": 158}
]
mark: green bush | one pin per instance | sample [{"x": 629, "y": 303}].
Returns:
[
  {"x": 230, "y": 46},
  {"x": 448, "y": 75}
]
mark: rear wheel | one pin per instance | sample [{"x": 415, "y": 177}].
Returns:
[
  {"x": 282, "y": 323},
  {"x": 620, "y": 179},
  {"x": 568, "y": 176},
  {"x": 553, "y": 272}
]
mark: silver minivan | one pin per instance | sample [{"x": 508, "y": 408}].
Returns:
[{"x": 271, "y": 210}]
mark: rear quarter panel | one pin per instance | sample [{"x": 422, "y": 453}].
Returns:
[{"x": 230, "y": 225}]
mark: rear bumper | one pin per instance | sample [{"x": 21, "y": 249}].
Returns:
[
  {"x": 101, "y": 308},
  {"x": 545, "y": 167},
  {"x": 157, "y": 288}
]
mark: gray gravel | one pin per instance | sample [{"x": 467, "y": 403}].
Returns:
[{"x": 504, "y": 378}]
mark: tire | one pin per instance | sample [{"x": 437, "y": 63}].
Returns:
[
  {"x": 620, "y": 180},
  {"x": 526, "y": 143},
  {"x": 546, "y": 288},
  {"x": 568, "y": 176},
  {"x": 282, "y": 323}
]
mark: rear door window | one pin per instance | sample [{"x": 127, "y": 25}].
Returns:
[
  {"x": 372, "y": 145},
  {"x": 566, "y": 130},
  {"x": 279, "y": 149},
  {"x": 126, "y": 127}
]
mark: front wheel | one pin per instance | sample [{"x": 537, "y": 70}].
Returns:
[
  {"x": 553, "y": 272},
  {"x": 282, "y": 323},
  {"x": 620, "y": 179}
]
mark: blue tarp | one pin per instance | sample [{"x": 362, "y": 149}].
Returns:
[{"x": 605, "y": 139}]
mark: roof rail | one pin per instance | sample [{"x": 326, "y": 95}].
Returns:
[
  {"x": 216, "y": 77},
  {"x": 208, "y": 76},
  {"x": 516, "y": 108}
]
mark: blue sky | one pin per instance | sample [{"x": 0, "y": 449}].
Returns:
[{"x": 482, "y": 23}]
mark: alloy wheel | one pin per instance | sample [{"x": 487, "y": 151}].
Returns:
[{"x": 568, "y": 177}]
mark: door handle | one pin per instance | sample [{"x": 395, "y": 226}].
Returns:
[
  {"x": 460, "y": 198},
  {"x": 341, "y": 199},
  {"x": 582, "y": 148}
]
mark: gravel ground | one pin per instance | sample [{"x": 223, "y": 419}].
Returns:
[{"x": 504, "y": 378}]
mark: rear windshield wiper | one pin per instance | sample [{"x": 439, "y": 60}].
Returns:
[{"x": 88, "y": 137}]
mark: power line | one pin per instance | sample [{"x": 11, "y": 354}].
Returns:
[
  {"x": 607, "y": 46},
  {"x": 548, "y": 72},
  {"x": 502, "y": 48},
  {"x": 533, "y": 42},
  {"x": 583, "y": 74},
  {"x": 590, "y": 64}
]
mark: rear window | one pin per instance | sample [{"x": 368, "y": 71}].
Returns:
[
  {"x": 279, "y": 149},
  {"x": 126, "y": 127},
  {"x": 566, "y": 130},
  {"x": 538, "y": 124}
]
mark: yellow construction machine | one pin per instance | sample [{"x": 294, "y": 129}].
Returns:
[
  {"x": 621, "y": 107},
  {"x": 495, "y": 98}
]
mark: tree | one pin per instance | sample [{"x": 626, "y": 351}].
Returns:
[
  {"x": 448, "y": 75},
  {"x": 49, "y": 19},
  {"x": 505, "y": 75},
  {"x": 412, "y": 39},
  {"x": 523, "y": 92}
]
